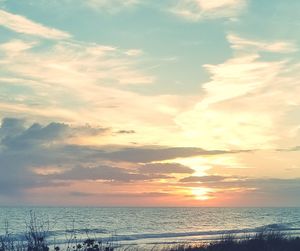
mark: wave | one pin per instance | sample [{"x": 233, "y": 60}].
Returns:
[
  {"x": 209, "y": 235},
  {"x": 78, "y": 231},
  {"x": 202, "y": 235},
  {"x": 280, "y": 226},
  {"x": 60, "y": 236}
]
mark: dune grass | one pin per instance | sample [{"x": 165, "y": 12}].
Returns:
[
  {"x": 264, "y": 241},
  {"x": 35, "y": 239}
]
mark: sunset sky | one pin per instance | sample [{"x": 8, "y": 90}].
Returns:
[{"x": 150, "y": 102}]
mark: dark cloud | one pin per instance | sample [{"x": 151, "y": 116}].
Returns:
[
  {"x": 103, "y": 173},
  {"x": 292, "y": 149},
  {"x": 34, "y": 136},
  {"x": 11, "y": 126},
  {"x": 15, "y": 135},
  {"x": 165, "y": 168},
  {"x": 121, "y": 194},
  {"x": 23, "y": 148},
  {"x": 126, "y": 132},
  {"x": 144, "y": 154},
  {"x": 204, "y": 179},
  {"x": 150, "y": 154},
  {"x": 81, "y": 194}
]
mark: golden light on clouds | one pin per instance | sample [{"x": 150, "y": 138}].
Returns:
[{"x": 47, "y": 170}]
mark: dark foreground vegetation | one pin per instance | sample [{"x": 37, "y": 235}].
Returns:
[
  {"x": 264, "y": 241},
  {"x": 35, "y": 239}
]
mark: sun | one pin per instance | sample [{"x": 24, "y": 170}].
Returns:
[{"x": 202, "y": 193}]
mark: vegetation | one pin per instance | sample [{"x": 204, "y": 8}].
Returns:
[
  {"x": 35, "y": 239},
  {"x": 264, "y": 241}
]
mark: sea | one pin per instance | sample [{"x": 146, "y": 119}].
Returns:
[{"x": 148, "y": 227}]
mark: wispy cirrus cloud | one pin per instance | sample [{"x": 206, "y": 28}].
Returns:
[
  {"x": 195, "y": 10},
  {"x": 240, "y": 43},
  {"x": 84, "y": 77},
  {"x": 21, "y": 24},
  {"x": 236, "y": 97},
  {"x": 101, "y": 63},
  {"x": 81, "y": 77},
  {"x": 16, "y": 46},
  {"x": 110, "y": 6}
]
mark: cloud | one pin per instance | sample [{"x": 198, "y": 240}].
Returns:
[
  {"x": 109, "y": 173},
  {"x": 146, "y": 154},
  {"x": 79, "y": 78},
  {"x": 14, "y": 134},
  {"x": 17, "y": 46},
  {"x": 204, "y": 179},
  {"x": 134, "y": 52},
  {"x": 291, "y": 149},
  {"x": 121, "y": 195},
  {"x": 86, "y": 130},
  {"x": 87, "y": 79},
  {"x": 249, "y": 102},
  {"x": 140, "y": 154},
  {"x": 274, "y": 195},
  {"x": 24, "y": 25},
  {"x": 195, "y": 10},
  {"x": 239, "y": 43},
  {"x": 81, "y": 194},
  {"x": 36, "y": 155},
  {"x": 104, "y": 6},
  {"x": 83, "y": 78},
  {"x": 126, "y": 131},
  {"x": 11, "y": 126},
  {"x": 34, "y": 136},
  {"x": 165, "y": 168},
  {"x": 39, "y": 156},
  {"x": 110, "y": 6},
  {"x": 242, "y": 182},
  {"x": 102, "y": 64},
  {"x": 23, "y": 148},
  {"x": 234, "y": 190}
]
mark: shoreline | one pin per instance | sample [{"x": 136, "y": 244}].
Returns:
[{"x": 264, "y": 241}]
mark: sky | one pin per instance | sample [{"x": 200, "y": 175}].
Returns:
[{"x": 150, "y": 102}]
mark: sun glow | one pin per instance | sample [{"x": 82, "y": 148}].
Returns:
[
  {"x": 199, "y": 164},
  {"x": 202, "y": 193}
]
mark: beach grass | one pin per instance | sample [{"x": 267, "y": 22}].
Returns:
[{"x": 263, "y": 241}]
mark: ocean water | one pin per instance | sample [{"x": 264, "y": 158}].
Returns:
[{"x": 151, "y": 226}]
